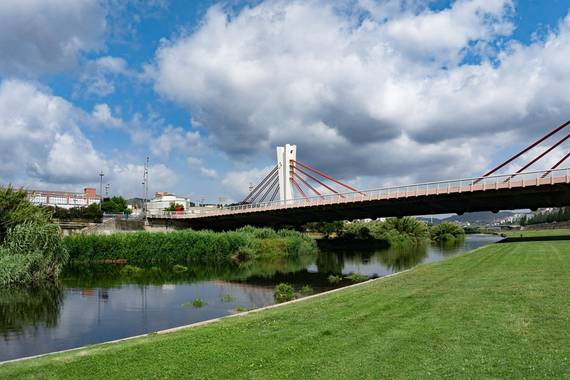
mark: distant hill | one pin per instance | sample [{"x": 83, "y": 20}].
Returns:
[{"x": 483, "y": 217}]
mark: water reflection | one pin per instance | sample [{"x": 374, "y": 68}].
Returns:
[{"x": 97, "y": 303}]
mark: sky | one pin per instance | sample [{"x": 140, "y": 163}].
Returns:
[{"x": 374, "y": 92}]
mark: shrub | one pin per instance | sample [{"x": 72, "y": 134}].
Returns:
[
  {"x": 446, "y": 232},
  {"x": 32, "y": 254},
  {"x": 356, "y": 277},
  {"x": 306, "y": 290},
  {"x": 334, "y": 279},
  {"x": 283, "y": 293},
  {"x": 177, "y": 268},
  {"x": 130, "y": 270}
]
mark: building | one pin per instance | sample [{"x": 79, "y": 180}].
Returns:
[
  {"x": 64, "y": 199},
  {"x": 163, "y": 200}
]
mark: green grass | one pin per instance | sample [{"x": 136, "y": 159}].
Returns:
[
  {"x": 537, "y": 233},
  {"x": 499, "y": 312}
]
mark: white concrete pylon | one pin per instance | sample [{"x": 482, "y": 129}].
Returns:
[{"x": 284, "y": 156}]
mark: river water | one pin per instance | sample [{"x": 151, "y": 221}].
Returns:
[{"x": 100, "y": 303}]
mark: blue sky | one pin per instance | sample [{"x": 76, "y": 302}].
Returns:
[{"x": 374, "y": 92}]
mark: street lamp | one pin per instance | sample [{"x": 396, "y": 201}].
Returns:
[{"x": 107, "y": 187}]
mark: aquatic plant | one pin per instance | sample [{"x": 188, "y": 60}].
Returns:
[
  {"x": 334, "y": 279},
  {"x": 189, "y": 246},
  {"x": 356, "y": 277},
  {"x": 283, "y": 293},
  {"x": 177, "y": 268},
  {"x": 31, "y": 254},
  {"x": 227, "y": 298}
]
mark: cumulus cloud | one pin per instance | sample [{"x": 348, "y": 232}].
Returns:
[
  {"x": 370, "y": 89},
  {"x": 196, "y": 163},
  {"x": 42, "y": 144},
  {"x": 38, "y": 36},
  {"x": 98, "y": 76}
]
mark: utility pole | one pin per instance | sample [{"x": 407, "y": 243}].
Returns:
[
  {"x": 101, "y": 187},
  {"x": 145, "y": 185}
]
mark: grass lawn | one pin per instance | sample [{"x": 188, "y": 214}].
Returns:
[
  {"x": 538, "y": 233},
  {"x": 500, "y": 312}
]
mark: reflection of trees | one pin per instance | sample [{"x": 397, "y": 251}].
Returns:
[
  {"x": 330, "y": 262},
  {"x": 21, "y": 308},
  {"x": 450, "y": 247},
  {"x": 403, "y": 257}
]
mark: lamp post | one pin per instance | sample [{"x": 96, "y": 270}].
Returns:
[{"x": 107, "y": 187}]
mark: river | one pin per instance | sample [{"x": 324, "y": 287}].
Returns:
[{"x": 95, "y": 304}]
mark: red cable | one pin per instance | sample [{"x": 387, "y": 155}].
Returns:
[
  {"x": 298, "y": 187},
  {"x": 316, "y": 180},
  {"x": 306, "y": 183},
  {"x": 540, "y": 156},
  {"x": 524, "y": 151},
  {"x": 556, "y": 165},
  {"x": 327, "y": 177}
]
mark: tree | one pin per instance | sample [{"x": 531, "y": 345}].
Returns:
[
  {"x": 115, "y": 205},
  {"x": 16, "y": 208},
  {"x": 174, "y": 207}
]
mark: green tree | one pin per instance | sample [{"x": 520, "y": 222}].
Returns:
[
  {"x": 174, "y": 207},
  {"x": 16, "y": 208},
  {"x": 115, "y": 205}
]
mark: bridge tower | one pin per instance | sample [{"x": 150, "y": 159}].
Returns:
[{"x": 286, "y": 155}]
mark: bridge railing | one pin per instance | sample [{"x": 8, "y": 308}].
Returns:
[{"x": 497, "y": 182}]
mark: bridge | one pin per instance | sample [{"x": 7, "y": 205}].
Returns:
[{"x": 331, "y": 199}]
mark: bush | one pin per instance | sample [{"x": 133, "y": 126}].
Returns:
[
  {"x": 446, "y": 232},
  {"x": 306, "y": 290},
  {"x": 179, "y": 268},
  {"x": 32, "y": 254},
  {"x": 334, "y": 279},
  {"x": 283, "y": 293},
  {"x": 356, "y": 277}
]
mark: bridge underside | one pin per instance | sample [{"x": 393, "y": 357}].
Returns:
[{"x": 532, "y": 197}]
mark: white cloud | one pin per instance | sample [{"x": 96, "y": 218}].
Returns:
[
  {"x": 102, "y": 115},
  {"x": 237, "y": 183},
  {"x": 38, "y": 36},
  {"x": 384, "y": 94},
  {"x": 98, "y": 77},
  {"x": 174, "y": 139},
  {"x": 196, "y": 163},
  {"x": 42, "y": 145}
]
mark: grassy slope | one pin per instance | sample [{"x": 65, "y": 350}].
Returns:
[
  {"x": 500, "y": 312},
  {"x": 538, "y": 233}
]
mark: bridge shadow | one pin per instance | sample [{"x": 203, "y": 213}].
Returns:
[{"x": 534, "y": 238}]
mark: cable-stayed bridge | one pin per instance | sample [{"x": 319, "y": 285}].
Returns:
[{"x": 294, "y": 193}]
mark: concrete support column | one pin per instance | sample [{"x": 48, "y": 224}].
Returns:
[{"x": 284, "y": 156}]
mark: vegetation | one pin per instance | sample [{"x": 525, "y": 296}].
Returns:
[
  {"x": 283, "y": 293},
  {"x": 227, "y": 298},
  {"x": 328, "y": 229},
  {"x": 548, "y": 216},
  {"x": 15, "y": 209},
  {"x": 498, "y": 312},
  {"x": 334, "y": 279},
  {"x": 92, "y": 213},
  {"x": 306, "y": 290},
  {"x": 189, "y": 246},
  {"x": 446, "y": 232},
  {"x": 197, "y": 303},
  {"x": 174, "y": 207},
  {"x": 115, "y": 205},
  {"x": 31, "y": 251},
  {"x": 536, "y": 233},
  {"x": 356, "y": 277},
  {"x": 394, "y": 230}
]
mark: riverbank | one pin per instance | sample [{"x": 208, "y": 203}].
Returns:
[{"x": 500, "y": 311}]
